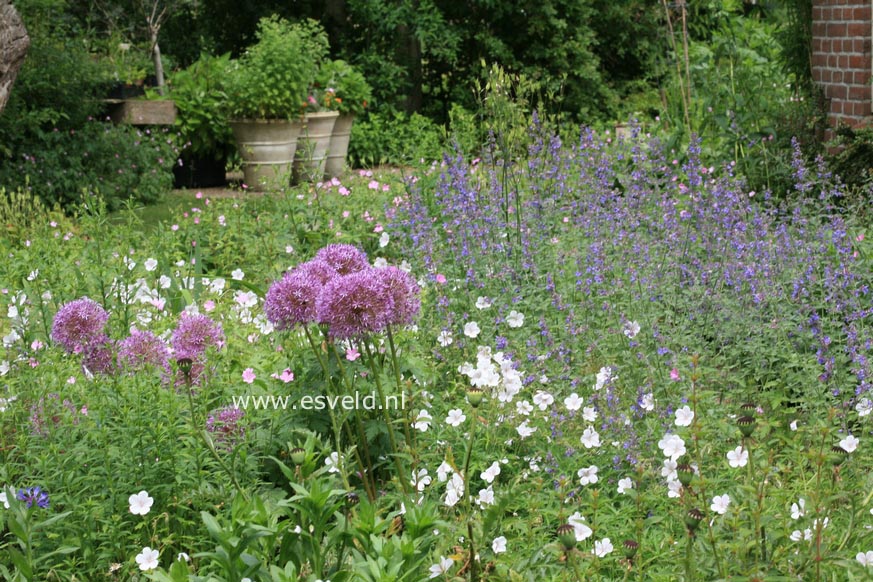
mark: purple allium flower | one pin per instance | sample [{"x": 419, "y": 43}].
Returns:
[
  {"x": 356, "y": 304},
  {"x": 98, "y": 355},
  {"x": 224, "y": 426},
  {"x": 33, "y": 495},
  {"x": 291, "y": 299},
  {"x": 405, "y": 294},
  {"x": 77, "y": 323},
  {"x": 141, "y": 350},
  {"x": 345, "y": 259},
  {"x": 194, "y": 335}
]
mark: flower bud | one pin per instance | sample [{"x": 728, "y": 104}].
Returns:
[
  {"x": 747, "y": 425},
  {"x": 685, "y": 473},
  {"x": 567, "y": 536},
  {"x": 692, "y": 519},
  {"x": 630, "y": 548},
  {"x": 474, "y": 396},
  {"x": 298, "y": 455}
]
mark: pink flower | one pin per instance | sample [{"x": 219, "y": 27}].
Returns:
[
  {"x": 287, "y": 375},
  {"x": 352, "y": 354},
  {"x": 441, "y": 279},
  {"x": 674, "y": 375},
  {"x": 208, "y": 305},
  {"x": 248, "y": 376}
]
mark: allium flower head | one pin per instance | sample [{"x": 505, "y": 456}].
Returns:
[
  {"x": 98, "y": 356},
  {"x": 291, "y": 300},
  {"x": 33, "y": 495},
  {"x": 355, "y": 305},
  {"x": 78, "y": 323},
  {"x": 141, "y": 350},
  {"x": 405, "y": 293},
  {"x": 345, "y": 259},
  {"x": 194, "y": 335},
  {"x": 224, "y": 426}
]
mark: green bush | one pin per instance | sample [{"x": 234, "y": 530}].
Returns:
[
  {"x": 121, "y": 162},
  {"x": 395, "y": 138}
]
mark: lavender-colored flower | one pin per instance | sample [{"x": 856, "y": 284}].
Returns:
[
  {"x": 194, "y": 335},
  {"x": 143, "y": 349},
  {"x": 405, "y": 293},
  {"x": 345, "y": 259},
  {"x": 98, "y": 356},
  {"x": 356, "y": 304},
  {"x": 33, "y": 495},
  {"x": 291, "y": 300},
  {"x": 77, "y": 323},
  {"x": 224, "y": 426}
]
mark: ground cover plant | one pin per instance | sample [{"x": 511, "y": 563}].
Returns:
[{"x": 611, "y": 364}]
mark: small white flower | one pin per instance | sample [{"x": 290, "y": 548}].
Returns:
[
  {"x": 543, "y": 399},
  {"x": 150, "y": 264},
  {"x": 864, "y": 407},
  {"x": 589, "y": 414},
  {"x": 587, "y": 476},
  {"x": 384, "y": 240},
  {"x": 147, "y": 559},
  {"x": 590, "y": 438},
  {"x": 603, "y": 547},
  {"x": 489, "y": 474},
  {"x": 443, "y": 471},
  {"x": 631, "y": 329},
  {"x": 441, "y": 567},
  {"x": 183, "y": 557},
  {"x": 498, "y": 546},
  {"x": 672, "y": 445},
  {"x": 604, "y": 376},
  {"x": 793, "y": 425},
  {"x": 720, "y": 503},
  {"x": 456, "y": 417},
  {"x": 796, "y": 535},
  {"x": 647, "y": 402},
  {"x": 849, "y": 444},
  {"x": 684, "y": 416},
  {"x": 738, "y": 457},
  {"x": 4, "y": 499},
  {"x": 420, "y": 480},
  {"x": 422, "y": 421},
  {"x": 486, "y": 497},
  {"x": 333, "y": 462},
  {"x": 669, "y": 470},
  {"x": 625, "y": 485},
  {"x": 445, "y": 338},
  {"x": 573, "y": 402},
  {"x": 140, "y": 503},
  {"x": 798, "y": 509},
  {"x": 237, "y": 275},
  {"x": 523, "y": 407},
  {"x": 471, "y": 330},
  {"x": 515, "y": 319},
  {"x": 483, "y": 303},
  {"x": 524, "y": 430},
  {"x": 865, "y": 558},
  {"x": 580, "y": 528},
  {"x": 673, "y": 489}
]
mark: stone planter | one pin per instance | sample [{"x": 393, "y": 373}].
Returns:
[
  {"x": 339, "y": 146},
  {"x": 267, "y": 147},
  {"x": 311, "y": 156},
  {"x": 142, "y": 111}
]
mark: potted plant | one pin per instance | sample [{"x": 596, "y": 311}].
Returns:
[
  {"x": 350, "y": 97},
  {"x": 264, "y": 89},
  {"x": 319, "y": 118},
  {"x": 206, "y": 137}
]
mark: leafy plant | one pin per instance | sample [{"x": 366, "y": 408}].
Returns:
[{"x": 351, "y": 92}]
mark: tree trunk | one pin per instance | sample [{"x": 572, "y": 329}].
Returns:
[
  {"x": 159, "y": 65},
  {"x": 13, "y": 48}
]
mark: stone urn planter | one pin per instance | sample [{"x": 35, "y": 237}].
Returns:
[
  {"x": 267, "y": 147},
  {"x": 339, "y": 146},
  {"x": 313, "y": 145}
]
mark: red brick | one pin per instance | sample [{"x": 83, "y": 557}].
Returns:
[
  {"x": 856, "y": 62},
  {"x": 858, "y": 29},
  {"x": 859, "y": 92},
  {"x": 861, "y": 109},
  {"x": 861, "y": 13},
  {"x": 833, "y": 60},
  {"x": 860, "y": 78},
  {"x": 836, "y": 29}
]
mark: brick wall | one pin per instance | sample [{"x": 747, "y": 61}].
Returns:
[{"x": 842, "y": 31}]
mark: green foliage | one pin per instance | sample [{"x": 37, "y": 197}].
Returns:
[
  {"x": 395, "y": 138},
  {"x": 120, "y": 162},
  {"x": 353, "y": 93},
  {"x": 270, "y": 80},
  {"x": 198, "y": 92}
]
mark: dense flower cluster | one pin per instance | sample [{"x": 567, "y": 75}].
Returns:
[
  {"x": 194, "y": 335},
  {"x": 339, "y": 288},
  {"x": 78, "y": 323},
  {"x": 225, "y": 427},
  {"x": 143, "y": 349}
]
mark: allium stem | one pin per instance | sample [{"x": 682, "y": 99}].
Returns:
[{"x": 407, "y": 434}]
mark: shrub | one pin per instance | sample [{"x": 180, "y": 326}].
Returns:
[{"x": 395, "y": 138}]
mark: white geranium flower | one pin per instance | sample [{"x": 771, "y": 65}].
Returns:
[
  {"x": 580, "y": 528},
  {"x": 720, "y": 504},
  {"x": 647, "y": 402},
  {"x": 865, "y": 558},
  {"x": 523, "y": 407},
  {"x": 515, "y": 319},
  {"x": 333, "y": 462},
  {"x": 589, "y": 414},
  {"x": 150, "y": 264},
  {"x": 147, "y": 559},
  {"x": 237, "y": 275},
  {"x": 543, "y": 399},
  {"x": 684, "y": 416},
  {"x": 864, "y": 407},
  {"x": 422, "y": 421},
  {"x": 420, "y": 480},
  {"x": 443, "y": 471},
  {"x": 668, "y": 471},
  {"x": 524, "y": 430},
  {"x": 798, "y": 509},
  {"x": 603, "y": 547},
  {"x": 441, "y": 567},
  {"x": 849, "y": 444},
  {"x": 140, "y": 503},
  {"x": 631, "y": 329},
  {"x": 483, "y": 303},
  {"x": 489, "y": 474},
  {"x": 587, "y": 476},
  {"x": 605, "y": 375},
  {"x": 573, "y": 402},
  {"x": 486, "y": 497},
  {"x": 471, "y": 330},
  {"x": 445, "y": 338},
  {"x": 673, "y": 489},
  {"x": 590, "y": 438},
  {"x": 672, "y": 445},
  {"x": 456, "y": 417},
  {"x": 625, "y": 485},
  {"x": 738, "y": 457},
  {"x": 498, "y": 546},
  {"x": 384, "y": 240}
]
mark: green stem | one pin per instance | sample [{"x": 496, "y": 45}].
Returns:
[{"x": 407, "y": 434}]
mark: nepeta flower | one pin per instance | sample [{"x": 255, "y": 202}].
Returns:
[
  {"x": 356, "y": 304},
  {"x": 78, "y": 323},
  {"x": 194, "y": 335},
  {"x": 224, "y": 426},
  {"x": 344, "y": 259},
  {"x": 33, "y": 495},
  {"x": 141, "y": 350}
]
